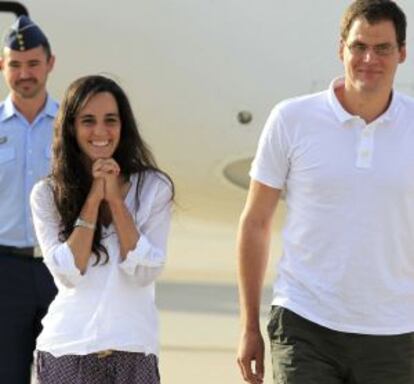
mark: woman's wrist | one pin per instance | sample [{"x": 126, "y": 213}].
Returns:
[
  {"x": 93, "y": 199},
  {"x": 115, "y": 203},
  {"x": 90, "y": 208},
  {"x": 84, "y": 224}
]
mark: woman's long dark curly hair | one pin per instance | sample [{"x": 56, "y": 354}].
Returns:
[{"x": 70, "y": 179}]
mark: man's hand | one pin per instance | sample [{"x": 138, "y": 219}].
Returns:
[{"x": 251, "y": 357}]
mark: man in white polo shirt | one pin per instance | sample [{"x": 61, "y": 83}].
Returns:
[{"x": 343, "y": 305}]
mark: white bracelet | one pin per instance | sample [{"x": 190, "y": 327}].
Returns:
[{"x": 85, "y": 224}]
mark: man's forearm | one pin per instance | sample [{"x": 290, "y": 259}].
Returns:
[{"x": 253, "y": 251}]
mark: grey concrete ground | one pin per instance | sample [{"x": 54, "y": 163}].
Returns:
[
  {"x": 200, "y": 331},
  {"x": 198, "y": 302}
]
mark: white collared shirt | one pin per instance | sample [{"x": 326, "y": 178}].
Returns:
[
  {"x": 348, "y": 237},
  {"x": 110, "y": 306}
]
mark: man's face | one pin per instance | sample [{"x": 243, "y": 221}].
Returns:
[
  {"x": 371, "y": 55},
  {"x": 26, "y": 72}
]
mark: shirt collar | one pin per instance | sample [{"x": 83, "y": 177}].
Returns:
[
  {"x": 50, "y": 108},
  {"x": 9, "y": 110},
  {"x": 344, "y": 116},
  {"x": 392, "y": 109}
]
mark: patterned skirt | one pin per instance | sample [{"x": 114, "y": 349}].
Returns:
[{"x": 107, "y": 367}]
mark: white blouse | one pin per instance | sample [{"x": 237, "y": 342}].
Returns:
[{"x": 110, "y": 306}]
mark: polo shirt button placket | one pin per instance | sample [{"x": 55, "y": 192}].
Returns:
[{"x": 366, "y": 147}]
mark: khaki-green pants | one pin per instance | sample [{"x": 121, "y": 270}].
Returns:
[{"x": 307, "y": 353}]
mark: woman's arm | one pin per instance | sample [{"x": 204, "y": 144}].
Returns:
[
  {"x": 81, "y": 238},
  {"x": 146, "y": 261},
  {"x": 56, "y": 254},
  {"x": 123, "y": 221},
  {"x": 126, "y": 230}
]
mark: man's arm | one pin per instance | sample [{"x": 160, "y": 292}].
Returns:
[{"x": 253, "y": 252}]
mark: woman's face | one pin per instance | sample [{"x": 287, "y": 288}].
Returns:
[{"x": 98, "y": 127}]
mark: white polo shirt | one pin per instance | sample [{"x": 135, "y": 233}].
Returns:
[{"x": 348, "y": 239}]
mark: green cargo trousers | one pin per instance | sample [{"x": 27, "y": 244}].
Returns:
[{"x": 306, "y": 353}]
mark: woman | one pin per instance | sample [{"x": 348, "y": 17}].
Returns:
[{"x": 102, "y": 219}]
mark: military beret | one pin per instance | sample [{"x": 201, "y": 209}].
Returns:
[{"x": 24, "y": 35}]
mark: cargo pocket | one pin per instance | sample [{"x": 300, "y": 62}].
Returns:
[{"x": 274, "y": 327}]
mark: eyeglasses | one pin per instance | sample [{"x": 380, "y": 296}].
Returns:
[{"x": 360, "y": 49}]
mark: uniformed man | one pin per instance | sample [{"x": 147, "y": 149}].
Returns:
[{"x": 26, "y": 119}]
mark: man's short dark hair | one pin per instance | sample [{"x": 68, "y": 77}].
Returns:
[{"x": 375, "y": 11}]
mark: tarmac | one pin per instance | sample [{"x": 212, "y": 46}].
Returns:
[
  {"x": 197, "y": 298},
  {"x": 200, "y": 333}
]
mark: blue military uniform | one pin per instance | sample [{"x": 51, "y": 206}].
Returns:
[{"x": 26, "y": 287}]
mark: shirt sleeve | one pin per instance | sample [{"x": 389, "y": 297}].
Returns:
[
  {"x": 57, "y": 255},
  {"x": 271, "y": 163},
  {"x": 147, "y": 260}
]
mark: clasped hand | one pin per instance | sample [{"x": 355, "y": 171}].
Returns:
[{"x": 105, "y": 185}]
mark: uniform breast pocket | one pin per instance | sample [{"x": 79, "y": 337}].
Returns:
[
  {"x": 44, "y": 164},
  {"x": 7, "y": 155},
  {"x": 7, "y": 160}
]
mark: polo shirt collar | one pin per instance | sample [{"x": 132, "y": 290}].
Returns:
[
  {"x": 9, "y": 110},
  {"x": 344, "y": 116},
  {"x": 392, "y": 109}
]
